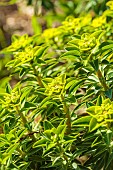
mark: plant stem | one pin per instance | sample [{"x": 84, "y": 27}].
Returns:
[
  {"x": 102, "y": 80},
  {"x": 66, "y": 111},
  {"x": 24, "y": 120},
  {"x": 20, "y": 152},
  {"x": 111, "y": 165},
  {"x": 63, "y": 152},
  {"x": 39, "y": 81},
  {"x": 36, "y": 73}
]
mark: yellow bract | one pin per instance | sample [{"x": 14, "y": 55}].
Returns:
[
  {"x": 87, "y": 42},
  {"x": 103, "y": 112},
  {"x": 110, "y": 4},
  {"x": 25, "y": 55},
  {"x": 11, "y": 99},
  {"x": 56, "y": 87},
  {"x": 19, "y": 43},
  {"x": 99, "y": 21}
]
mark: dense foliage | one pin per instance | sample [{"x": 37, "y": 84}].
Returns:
[
  {"x": 45, "y": 14},
  {"x": 60, "y": 113}
]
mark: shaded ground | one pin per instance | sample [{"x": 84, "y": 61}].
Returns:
[{"x": 14, "y": 19}]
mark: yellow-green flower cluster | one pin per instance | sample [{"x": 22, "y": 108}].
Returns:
[
  {"x": 87, "y": 42},
  {"x": 24, "y": 50},
  {"x": 102, "y": 113},
  {"x": 72, "y": 26},
  {"x": 26, "y": 55},
  {"x": 19, "y": 43},
  {"x": 99, "y": 21},
  {"x": 10, "y": 100},
  {"x": 56, "y": 87},
  {"x": 110, "y": 4},
  {"x": 69, "y": 27},
  {"x": 51, "y": 33}
]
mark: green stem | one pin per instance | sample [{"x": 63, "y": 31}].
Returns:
[
  {"x": 36, "y": 73},
  {"x": 39, "y": 81},
  {"x": 24, "y": 120},
  {"x": 66, "y": 111},
  {"x": 111, "y": 165},
  {"x": 102, "y": 80},
  {"x": 62, "y": 152},
  {"x": 2, "y": 39},
  {"x": 20, "y": 152}
]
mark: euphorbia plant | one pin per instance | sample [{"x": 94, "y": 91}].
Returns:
[{"x": 60, "y": 113}]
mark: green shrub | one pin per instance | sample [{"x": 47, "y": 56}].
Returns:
[{"x": 60, "y": 113}]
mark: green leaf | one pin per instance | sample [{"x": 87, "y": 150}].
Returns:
[
  {"x": 4, "y": 140},
  {"x": 99, "y": 164},
  {"x": 48, "y": 125},
  {"x": 92, "y": 124},
  {"x": 92, "y": 110},
  {"x": 83, "y": 121},
  {"x": 110, "y": 46},
  {"x": 24, "y": 166},
  {"x": 108, "y": 93},
  {"x": 6, "y": 129},
  {"x": 12, "y": 148},
  {"x": 96, "y": 142},
  {"x": 97, "y": 34},
  {"x": 70, "y": 83},
  {"x": 75, "y": 41},
  {"x": 47, "y": 133},
  {"x": 95, "y": 64},
  {"x": 55, "y": 160},
  {"x": 73, "y": 53},
  {"x": 107, "y": 136},
  {"x": 29, "y": 105},
  {"x": 25, "y": 93},
  {"x": 45, "y": 101},
  {"x": 22, "y": 72},
  {"x": 8, "y": 88},
  {"x": 40, "y": 52},
  {"x": 36, "y": 26},
  {"x": 78, "y": 65},
  {"x": 49, "y": 146},
  {"x": 87, "y": 96},
  {"x": 40, "y": 143},
  {"x": 20, "y": 133},
  {"x": 72, "y": 47},
  {"x": 61, "y": 129},
  {"x": 99, "y": 101},
  {"x": 109, "y": 160},
  {"x": 75, "y": 86}
]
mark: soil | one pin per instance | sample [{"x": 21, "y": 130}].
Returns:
[{"x": 14, "y": 19}]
